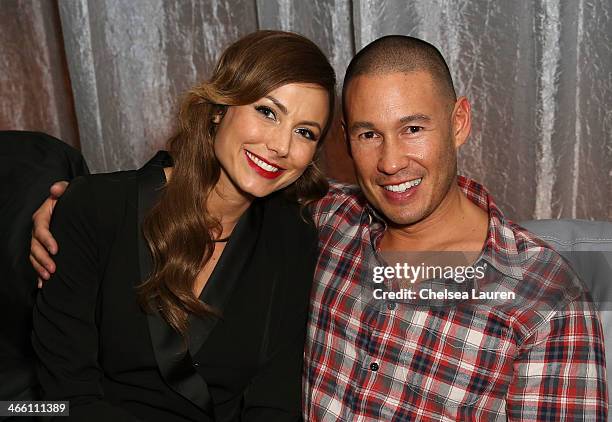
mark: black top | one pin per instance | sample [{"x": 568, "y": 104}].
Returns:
[{"x": 113, "y": 362}]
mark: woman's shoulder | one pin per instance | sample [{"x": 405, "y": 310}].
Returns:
[
  {"x": 100, "y": 188},
  {"x": 94, "y": 203},
  {"x": 291, "y": 221},
  {"x": 288, "y": 211},
  {"x": 119, "y": 186}
]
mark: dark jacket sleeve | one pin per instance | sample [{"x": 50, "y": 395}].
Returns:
[{"x": 65, "y": 335}]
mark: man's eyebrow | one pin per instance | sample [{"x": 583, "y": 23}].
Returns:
[
  {"x": 412, "y": 118},
  {"x": 277, "y": 103},
  {"x": 361, "y": 125},
  {"x": 415, "y": 118}
]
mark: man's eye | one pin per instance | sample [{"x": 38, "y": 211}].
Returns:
[
  {"x": 266, "y": 111},
  {"x": 306, "y": 133},
  {"x": 368, "y": 135},
  {"x": 414, "y": 129}
]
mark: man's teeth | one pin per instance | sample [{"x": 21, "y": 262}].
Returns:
[
  {"x": 262, "y": 164},
  {"x": 403, "y": 187}
]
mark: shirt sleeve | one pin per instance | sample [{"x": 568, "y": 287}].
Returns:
[
  {"x": 65, "y": 335},
  {"x": 560, "y": 374},
  {"x": 338, "y": 197}
]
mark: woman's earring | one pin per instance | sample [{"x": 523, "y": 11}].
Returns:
[{"x": 218, "y": 115}]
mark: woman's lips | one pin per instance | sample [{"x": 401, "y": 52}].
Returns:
[{"x": 262, "y": 167}]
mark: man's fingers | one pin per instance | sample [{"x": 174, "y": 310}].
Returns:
[
  {"x": 42, "y": 235},
  {"x": 42, "y": 273},
  {"x": 39, "y": 254},
  {"x": 58, "y": 189},
  {"x": 42, "y": 216}
]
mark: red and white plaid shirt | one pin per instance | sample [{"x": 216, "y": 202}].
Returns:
[{"x": 539, "y": 357}]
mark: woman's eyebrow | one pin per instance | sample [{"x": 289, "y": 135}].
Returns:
[
  {"x": 282, "y": 108},
  {"x": 277, "y": 103},
  {"x": 311, "y": 123}
]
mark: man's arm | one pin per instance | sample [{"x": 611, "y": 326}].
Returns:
[
  {"x": 561, "y": 371},
  {"x": 43, "y": 243}
]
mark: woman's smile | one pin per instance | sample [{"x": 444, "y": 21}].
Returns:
[{"x": 262, "y": 166}]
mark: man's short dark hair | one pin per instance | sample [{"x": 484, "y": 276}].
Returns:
[{"x": 401, "y": 53}]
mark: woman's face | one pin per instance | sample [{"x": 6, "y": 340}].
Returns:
[{"x": 265, "y": 146}]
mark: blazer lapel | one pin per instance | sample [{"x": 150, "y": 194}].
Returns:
[
  {"x": 173, "y": 359},
  {"x": 229, "y": 271}
]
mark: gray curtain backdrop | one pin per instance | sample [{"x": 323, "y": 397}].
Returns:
[
  {"x": 107, "y": 74},
  {"x": 35, "y": 91}
]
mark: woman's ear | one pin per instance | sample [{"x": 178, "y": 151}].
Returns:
[{"x": 218, "y": 114}]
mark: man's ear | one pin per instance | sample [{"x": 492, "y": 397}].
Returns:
[
  {"x": 461, "y": 121},
  {"x": 347, "y": 141}
]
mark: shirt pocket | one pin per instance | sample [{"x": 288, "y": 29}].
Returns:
[{"x": 458, "y": 369}]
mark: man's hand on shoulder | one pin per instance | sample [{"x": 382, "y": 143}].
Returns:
[{"x": 43, "y": 245}]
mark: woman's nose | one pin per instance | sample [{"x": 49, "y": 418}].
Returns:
[{"x": 280, "y": 144}]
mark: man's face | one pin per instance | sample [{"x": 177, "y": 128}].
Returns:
[{"x": 404, "y": 134}]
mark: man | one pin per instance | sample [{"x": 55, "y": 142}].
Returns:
[
  {"x": 534, "y": 354},
  {"x": 538, "y": 356}
]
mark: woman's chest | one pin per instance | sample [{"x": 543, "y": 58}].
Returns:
[{"x": 231, "y": 346}]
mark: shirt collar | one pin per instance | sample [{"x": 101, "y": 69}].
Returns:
[
  {"x": 371, "y": 218},
  {"x": 500, "y": 249}
]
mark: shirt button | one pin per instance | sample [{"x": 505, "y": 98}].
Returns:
[
  {"x": 374, "y": 366},
  {"x": 391, "y": 306}
]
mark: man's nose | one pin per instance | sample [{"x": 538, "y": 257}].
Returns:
[{"x": 392, "y": 158}]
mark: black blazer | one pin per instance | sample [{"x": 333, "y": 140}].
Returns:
[{"x": 114, "y": 362}]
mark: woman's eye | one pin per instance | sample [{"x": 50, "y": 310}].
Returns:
[
  {"x": 306, "y": 133},
  {"x": 266, "y": 111}
]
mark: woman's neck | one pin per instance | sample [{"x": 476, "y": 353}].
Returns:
[{"x": 225, "y": 203}]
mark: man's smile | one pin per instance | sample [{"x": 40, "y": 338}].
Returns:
[{"x": 404, "y": 186}]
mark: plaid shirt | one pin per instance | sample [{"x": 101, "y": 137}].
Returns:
[{"x": 537, "y": 357}]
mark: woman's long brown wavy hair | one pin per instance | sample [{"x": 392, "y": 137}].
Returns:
[{"x": 178, "y": 229}]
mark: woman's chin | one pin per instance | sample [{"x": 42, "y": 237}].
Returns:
[
  {"x": 254, "y": 189},
  {"x": 259, "y": 192}
]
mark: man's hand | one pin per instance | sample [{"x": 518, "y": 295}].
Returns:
[{"x": 43, "y": 244}]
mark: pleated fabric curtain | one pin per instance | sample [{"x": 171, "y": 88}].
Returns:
[{"x": 107, "y": 75}]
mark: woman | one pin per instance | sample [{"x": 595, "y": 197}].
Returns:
[{"x": 182, "y": 288}]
